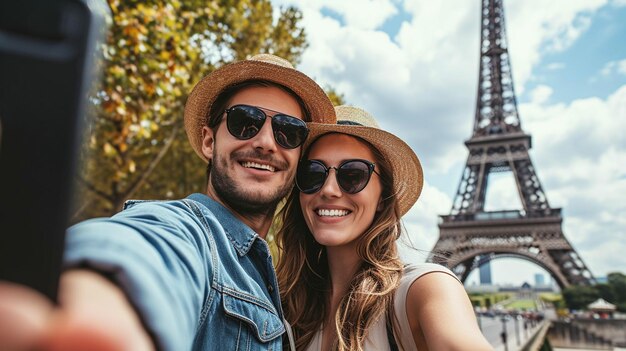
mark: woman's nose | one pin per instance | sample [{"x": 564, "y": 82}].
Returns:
[{"x": 331, "y": 187}]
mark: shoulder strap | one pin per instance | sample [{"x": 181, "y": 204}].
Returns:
[{"x": 393, "y": 345}]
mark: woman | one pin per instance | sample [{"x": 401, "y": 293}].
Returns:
[{"x": 342, "y": 283}]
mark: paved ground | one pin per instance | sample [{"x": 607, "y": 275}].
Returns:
[{"x": 517, "y": 332}]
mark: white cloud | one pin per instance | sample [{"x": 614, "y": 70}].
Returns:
[
  {"x": 618, "y": 3},
  {"x": 608, "y": 68},
  {"x": 579, "y": 153},
  {"x": 584, "y": 128},
  {"x": 614, "y": 67},
  {"x": 621, "y": 68},
  {"x": 541, "y": 94},
  {"x": 533, "y": 33},
  {"x": 419, "y": 223},
  {"x": 502, "y": 192},
  {"x": 371, "y": 14},
  {"x": 361, "y": 14},
  {"x": 555, "y": 66}
]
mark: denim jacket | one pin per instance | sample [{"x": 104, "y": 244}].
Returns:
[{"x": 199, "y": 278}]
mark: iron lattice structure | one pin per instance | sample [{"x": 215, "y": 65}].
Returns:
[{"x": 471, "y": 236}]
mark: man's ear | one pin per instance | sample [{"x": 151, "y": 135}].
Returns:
[{"x": 208, "y": 141}]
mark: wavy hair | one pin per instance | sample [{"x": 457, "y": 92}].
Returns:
[{"x": 303, "y": 273}]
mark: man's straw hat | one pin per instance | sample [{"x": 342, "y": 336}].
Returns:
[
  {"x": 405, "y": 166},
  {"x": 260, "y": 67}
]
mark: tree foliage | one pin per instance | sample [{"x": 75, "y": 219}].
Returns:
[
  {"x": 335, "y": 97},
  {"x": 617, "y": 281},
  {"x": 577, "y": 297},
  {"x": 614, "y": 291},
  {"x": 154, "y": 53}
]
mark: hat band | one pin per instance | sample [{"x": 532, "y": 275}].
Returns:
[{"x": 350, "y": 123}]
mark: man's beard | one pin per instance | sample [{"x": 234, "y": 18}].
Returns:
[{"x": 236, "y": 196}]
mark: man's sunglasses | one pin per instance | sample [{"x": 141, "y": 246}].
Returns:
[
  {"x": 244, "y": 122},
  {"x": 352, "y": 175}
]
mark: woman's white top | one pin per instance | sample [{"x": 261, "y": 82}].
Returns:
[{"x": 377, "y": 335}]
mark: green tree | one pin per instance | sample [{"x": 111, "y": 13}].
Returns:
[
  {"x": 605, "y": 291},
  {"x": 614, "y": 291},
  {"x": 577, "y": 297},
  {"x": 154, "y": 53},
  {"x": 336, "y": 97},
  {"x": 617, "y": 282}
]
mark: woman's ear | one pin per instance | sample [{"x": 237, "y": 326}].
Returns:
[{"x": 208, "y": 142}]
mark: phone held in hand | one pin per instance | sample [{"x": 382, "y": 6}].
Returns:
[{"x": 47, "y": 53}]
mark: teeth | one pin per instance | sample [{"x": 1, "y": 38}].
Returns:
[
  {"x": 332, "y": 213},
  {"x": 257, "y": 165}
]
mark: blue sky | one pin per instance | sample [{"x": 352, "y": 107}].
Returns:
[
  {"x": 414, "y": 65},
  {"x": 577, "y": 71}
]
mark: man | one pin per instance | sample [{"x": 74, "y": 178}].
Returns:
[{"x": 194, "y": 273}]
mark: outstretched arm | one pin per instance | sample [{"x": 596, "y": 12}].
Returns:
[
  {"x": 93, "y": 314},
  {"x": 441, "y": 315},
  {"x": 158, "y": 260}
]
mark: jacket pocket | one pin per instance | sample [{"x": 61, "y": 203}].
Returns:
[{"x": 262, "y": 321}]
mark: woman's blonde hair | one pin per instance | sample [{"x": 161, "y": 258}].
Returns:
[{"x": 303, "y": 275}]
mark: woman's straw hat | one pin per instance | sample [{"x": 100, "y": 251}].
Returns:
[
  {"x": 406, "y": 168},
  {"x": 260, "y": 67}
]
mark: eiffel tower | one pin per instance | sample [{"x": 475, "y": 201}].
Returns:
[{"x": 470, "y": 236}]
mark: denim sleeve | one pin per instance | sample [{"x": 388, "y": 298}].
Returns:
[{"x": 158, "y": 254}]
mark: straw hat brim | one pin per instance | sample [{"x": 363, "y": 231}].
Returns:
[
  {"x": 408, "y": 177},
  {"x": 206, "y": 91}
]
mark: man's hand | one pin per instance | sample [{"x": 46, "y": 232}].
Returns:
[
  {"x": 24, "y": 315},
  {"x": 93, "y": 314}
]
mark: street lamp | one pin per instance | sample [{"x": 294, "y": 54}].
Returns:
[{"x": 517, "y": 331}]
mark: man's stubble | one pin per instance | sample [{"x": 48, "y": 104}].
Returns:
[{"x": 236, "y": 195}]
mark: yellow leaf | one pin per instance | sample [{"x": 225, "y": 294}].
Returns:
[
  {"x": 117, "y": 71},
  {"x": 149, "y": 89},
  {"x": 121, "y": 109},
  {"x": 108, "y": 149}
]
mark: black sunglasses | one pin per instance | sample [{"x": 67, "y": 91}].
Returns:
[
  {"x": 244, "y": 122},
  {"x": 352, "y": 175}
]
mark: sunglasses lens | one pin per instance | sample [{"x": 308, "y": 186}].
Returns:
[
  {"x": 289, "y": 132},
  {"x": 311, "y": 176},
  {"x": 353, "y": 176},
  {"x": 244, "y": 122}
]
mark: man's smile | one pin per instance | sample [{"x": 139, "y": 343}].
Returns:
[{"x": 256, "y": 165}]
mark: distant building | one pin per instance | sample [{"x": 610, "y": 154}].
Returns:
[
  {"x": 539, "y": 279},
  {"x": 485, "y": 274}
]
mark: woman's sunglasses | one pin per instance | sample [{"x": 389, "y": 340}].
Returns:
[
  {"x": 352, "y": 175},
  {"x": 244, "y": 122}
]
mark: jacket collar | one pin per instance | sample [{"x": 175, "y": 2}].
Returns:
[{"x": 241, "y": 236}]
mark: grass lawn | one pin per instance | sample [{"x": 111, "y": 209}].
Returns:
[
  {"x": 550, "y": 297},
  {"x": 522, "y": 305}
]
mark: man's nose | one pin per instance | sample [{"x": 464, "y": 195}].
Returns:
[{"x": 265, "y": 138}]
